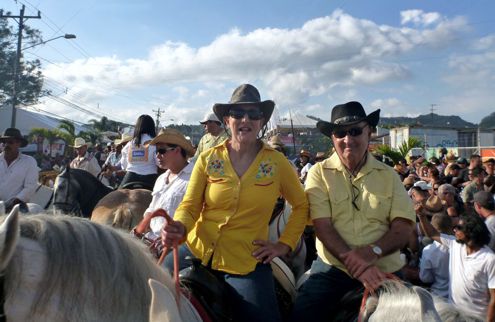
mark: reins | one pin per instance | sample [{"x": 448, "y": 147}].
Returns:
[
  {"x": 139, "y": 231},
  {"x": 367, "y": 293}
]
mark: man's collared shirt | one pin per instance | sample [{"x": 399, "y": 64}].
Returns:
[
  {"x": 19, "y": 179},
  {"x": 379, "y": 195},
  {"x": 168, "y": 195},
  {"x": 87, "y": 163},
  {"x": 208, "y": 141},
  {"x": 224, "y": 214}
]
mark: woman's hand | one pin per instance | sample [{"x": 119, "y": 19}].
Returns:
[
  {"x": 171, "y": 232},
  {"x": 268, "y": 250}
]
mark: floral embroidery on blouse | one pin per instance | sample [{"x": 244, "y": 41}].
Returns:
[
  {"x": 216, "y": 167},
  {"x": 265, "y": 170}
]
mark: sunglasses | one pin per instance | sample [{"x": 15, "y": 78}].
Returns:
[
  {"x": 355, "y": 131},
  {"x": 252, "y": 114},
  {"x": 458, "y": 227},
  {"x": 163, "y": 150}
]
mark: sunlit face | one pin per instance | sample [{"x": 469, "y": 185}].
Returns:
[
  {"x": 81, "y": 151},
  {"x": 489, "y": 168},
  {"x": 351, "y": 149},
  {"x": 460, "y": 236},
  {"x": 212, "y": 127},
  {"x": 244, "y": 128},
  {"x": 164, "y": 155}
]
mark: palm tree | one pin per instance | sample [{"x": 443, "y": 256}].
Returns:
[
  {"x": 50, "y": 135},
  {"x": 67, "y": 131}
]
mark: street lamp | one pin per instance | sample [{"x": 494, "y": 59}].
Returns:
[
  {"x": 16, "y": 68},
  {"x": 66, "y": 36}
]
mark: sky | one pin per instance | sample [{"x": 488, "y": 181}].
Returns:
[{"x": 135, "y": 57}]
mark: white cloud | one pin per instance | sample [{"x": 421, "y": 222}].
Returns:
[{"x": 291, "y": 66}]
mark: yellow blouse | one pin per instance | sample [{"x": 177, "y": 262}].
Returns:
[{"x": 224, "y": 214}]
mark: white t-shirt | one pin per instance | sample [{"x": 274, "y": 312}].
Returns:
[
  {"x": 304, "y": 170},
  {"x": 490, "y": 224},
  {"x": 434, "y": 268},
  {"x": 140, "y": 160},
  {"x": 168, "y": 196},
  {"x": 19, "y": 179},
  {"x": 471, "y": 276}
]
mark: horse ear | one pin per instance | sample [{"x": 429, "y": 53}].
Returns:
[
  {"x": 163, "y": 306},
  {"x": 428, "y": 310},
  {"x": 9, "y": 235}
]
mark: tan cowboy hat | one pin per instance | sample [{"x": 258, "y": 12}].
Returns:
[
  {"x": 124, "y": 139},
  {"x": 13, "y": 133},
  {"x": 173, "y": 136},
  {"x": 347, "y": 114},
  {"x": 79, "y": 142},
  {"x": 434, "y": 204},
  {"x": 245, "y": 94}
]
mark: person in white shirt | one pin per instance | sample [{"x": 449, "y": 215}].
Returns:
[
  {"x": 173, "y": 151},
  {"x": 434, "y": 264},
  {"x": 18, "y": 172},
  {"x": 304, "y": 157},
  {"x": 138, "y": 157},
  {"x": 83, "y": 159},
  {"x": 471, "y": 267}
]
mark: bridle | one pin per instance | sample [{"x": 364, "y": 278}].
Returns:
[{"x": 66, "y": 204}]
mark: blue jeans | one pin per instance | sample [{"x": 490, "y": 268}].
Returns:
[
  {"x": 254, "y": 293},
  {"x": 319, "y": 297}
]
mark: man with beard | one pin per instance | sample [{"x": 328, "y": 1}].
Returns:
[
  {"x": 18, "y": 172},
  {"x": 472, "y": 264}
]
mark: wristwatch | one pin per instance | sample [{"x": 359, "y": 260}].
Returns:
[{"x": 377, "y": 250}]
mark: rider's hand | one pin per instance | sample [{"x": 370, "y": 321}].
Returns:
[
  {"x": 358, "y": 260},
  {"x": 175, "y": 231},
  {"x": 268, "y": 250},
  {"x": 372, "y": 278}
]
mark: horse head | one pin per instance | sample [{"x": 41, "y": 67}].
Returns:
[{"x": 77, "y": 192}]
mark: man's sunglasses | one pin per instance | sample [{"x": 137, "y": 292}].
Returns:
[
  {"x": 252, "y": 114},
  {"x": 459, "y": 227},
  {"x": 164, "y": 150},
  {"x": 355, "y": 131}
]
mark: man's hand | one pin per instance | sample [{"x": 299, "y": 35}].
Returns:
[
  {"x": 372, "y": 278},
  {"x": 175, "y": 231},
  {"x": 268, "y": 250},
  {"x": 358, "y": 260}
]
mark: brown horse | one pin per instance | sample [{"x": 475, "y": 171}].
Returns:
[{"x": 122, "y": 208}]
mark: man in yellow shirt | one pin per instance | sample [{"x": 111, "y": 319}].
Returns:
[{"x": 361, "y": 214}]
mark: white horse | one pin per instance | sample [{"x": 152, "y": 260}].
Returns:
[{"x": 62, "y": 268}]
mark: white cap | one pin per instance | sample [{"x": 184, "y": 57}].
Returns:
[
  {"x": 210, "y": 117},
  {"x": 423, "y": 185}
]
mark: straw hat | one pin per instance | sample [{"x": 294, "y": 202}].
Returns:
[
  {"x": 320, "y": 155},
  {"x": 79, "y": 142},
  {"x": 124, "y": 139},
  {"x": 434, "y": 204},
  {"x": 173, "y": 136}
]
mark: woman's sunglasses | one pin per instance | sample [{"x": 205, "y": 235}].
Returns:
[
  {"x": 252, "y": 114},
  {"x": 164, "y": 150},
  {"x": 355, "y": 131}
]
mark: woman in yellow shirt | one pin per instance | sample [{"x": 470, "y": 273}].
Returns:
[{"x": 228, "y": 204}]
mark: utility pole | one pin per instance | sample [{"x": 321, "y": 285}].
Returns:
[
  {"x": 293, "y": 135},
  {"x": 22, "y": 18},
  {"x": 158, "y": 115},
  {"x": 432, "y": 108}
]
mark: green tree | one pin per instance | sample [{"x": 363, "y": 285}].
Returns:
[
  {"x": 91, "y": 135},
  {"x": 30, "y": 78},
  {"x": 50, "y": 135}
]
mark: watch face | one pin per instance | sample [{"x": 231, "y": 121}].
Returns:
[{"x": 377, "y": 250}]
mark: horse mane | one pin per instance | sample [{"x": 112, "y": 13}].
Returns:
[
  {"x": 95, "y": 272},
  {"x": 398, "y": 302}
]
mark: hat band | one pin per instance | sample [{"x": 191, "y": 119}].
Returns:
[{"x": 347, "y": 119}]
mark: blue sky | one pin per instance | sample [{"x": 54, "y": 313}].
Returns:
[{"x": 132, "y": 57}]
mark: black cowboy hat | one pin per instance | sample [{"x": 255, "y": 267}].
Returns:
[
  {"x": 245, "y": 94},
  {"x": 13, "y": 133},
  {"x": 348, "y": 114}
]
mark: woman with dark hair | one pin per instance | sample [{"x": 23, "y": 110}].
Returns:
[
  {"x": 138, "y": 158},
  {"x": 224, "y": 214}
]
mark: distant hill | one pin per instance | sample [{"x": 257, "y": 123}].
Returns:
[
  {"x": 488, "y": 122},
  {"x": 429, "y": 120}
]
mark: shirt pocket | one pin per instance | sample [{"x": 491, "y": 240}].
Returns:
[
  {"x": 339, "y": 203},
  {"x": 379, "y": 205}
]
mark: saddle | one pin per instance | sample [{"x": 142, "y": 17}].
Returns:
[{"x": 208, "y": 290}]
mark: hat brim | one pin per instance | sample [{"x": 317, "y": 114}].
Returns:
[
  {"x": 267, "y": 107},
  {"x": 175, "y": 140},
  {"x": 24, "y": 142},
  {"x": 327, "y": 128}
]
